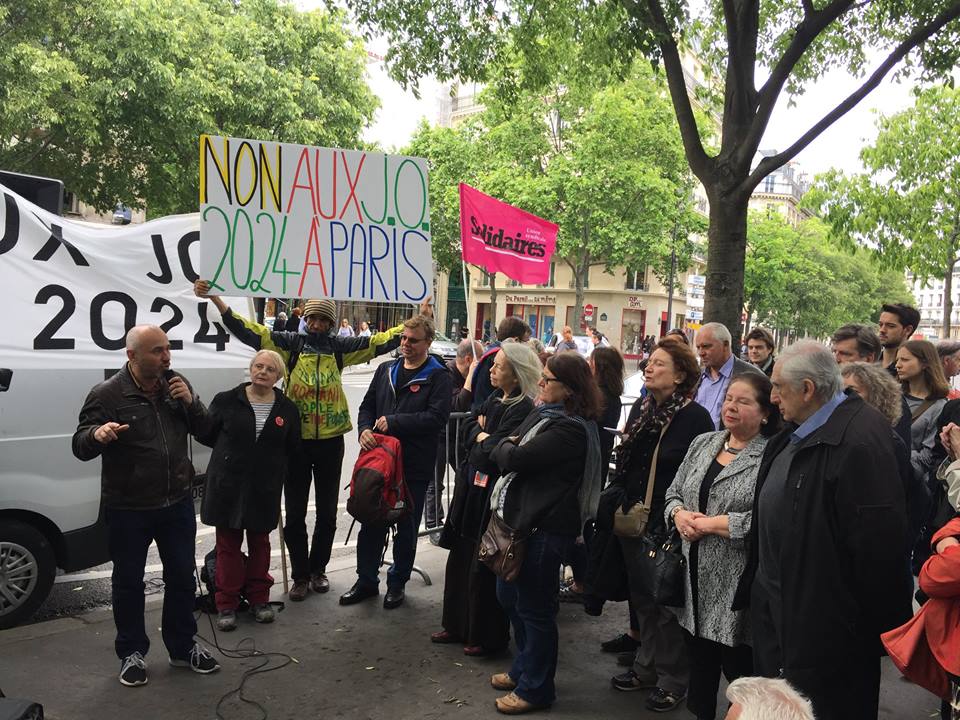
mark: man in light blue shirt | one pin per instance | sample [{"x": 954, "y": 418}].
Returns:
[{"x": 719, "y": 367}]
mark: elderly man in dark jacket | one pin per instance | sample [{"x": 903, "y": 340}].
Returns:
[
  {"x": 138, "y": 422},
  {"x": 410, "y": 400},
  {"x": 826, "y": 566}
]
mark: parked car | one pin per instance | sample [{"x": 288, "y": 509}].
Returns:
[{"x": 584, "y": 344}]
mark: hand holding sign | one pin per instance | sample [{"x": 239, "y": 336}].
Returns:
[
  {"x": 426, "y": 307},
  {"x": 201, "y": 288},
  {"x": 108, "y": 432}
]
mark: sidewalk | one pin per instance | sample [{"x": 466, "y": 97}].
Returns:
[{"x": 358, "y": 662}]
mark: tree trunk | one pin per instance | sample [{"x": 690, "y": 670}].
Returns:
[
  {"x": 493, "y": 306},
  {"x": 948, "y": 297},
  {"x": 726, "y": 253},
  {"x": 579, "y": 273}
]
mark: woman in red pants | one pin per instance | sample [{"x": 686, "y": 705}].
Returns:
[{"x": 254, "y": 430}]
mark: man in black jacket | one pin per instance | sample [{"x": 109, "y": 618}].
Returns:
[
  {"x": 826, "y": 545},
  {"x": 410, "y": 400},
  {"x": 138, "y": 421}
]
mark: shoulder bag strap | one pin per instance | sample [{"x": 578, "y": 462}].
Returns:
[
  {"x": 920, "y": 410},
  {"x": 651, "y": 478}
]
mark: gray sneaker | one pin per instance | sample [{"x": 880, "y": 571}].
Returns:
[
  {"x": 133, "y": 670},
  {"x": 227, "y": 620},
  {"x": 200, "y": 660},
  {"x": 263, "y": 613}
]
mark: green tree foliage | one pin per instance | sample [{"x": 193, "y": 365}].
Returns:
[
  {"x": 906, "y": 206},
  {"x": 606, "y": 164},
  {"x": 112, "y": 95},
  {"x": 800, "y": 283},
  {"x": 753, "y": 54}
]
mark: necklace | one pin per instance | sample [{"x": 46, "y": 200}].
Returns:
[{"x": 731, "y": 450}]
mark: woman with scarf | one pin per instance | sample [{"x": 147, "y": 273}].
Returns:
[
  {"x": 471, "y": 613},
  {"x": 663, "y": 423},
  {"x": 551, "y": 483}
]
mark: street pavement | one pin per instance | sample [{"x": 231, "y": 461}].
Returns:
[{"x": 359, "y": 662}]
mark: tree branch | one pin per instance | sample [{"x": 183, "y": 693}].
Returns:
[
  {"x": 697, "y": 158},
  {"x": 813, "y": 24},
  {"x": 916, "y": 38}
]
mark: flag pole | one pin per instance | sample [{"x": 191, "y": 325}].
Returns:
[{"x": 466, "y": 296}]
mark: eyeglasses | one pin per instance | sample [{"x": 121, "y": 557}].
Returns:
[
  {"x": 547, "y": 380},
  {"x": 411, "y": 340}
]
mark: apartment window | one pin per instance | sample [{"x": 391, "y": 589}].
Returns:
[
  {"x": 636, "y": 279},
  {"x": 552, "y": 279},
  {"x": 484, "y": 278},
  {"x": 586, "y": 280},
  {"x": 770, "y": 184}
]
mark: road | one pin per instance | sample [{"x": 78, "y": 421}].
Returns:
[{"x": 78, "y": 592}]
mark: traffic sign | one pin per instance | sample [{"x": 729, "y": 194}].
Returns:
[{"x": 588, "y": 312}]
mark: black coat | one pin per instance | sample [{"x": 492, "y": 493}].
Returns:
[
  {"x": 470, "y": 507},
  {"x": 549, "y": 470},
  {"x": 416, "y": 412},
  {"x": 843, "y": 577},
  {"x": 609, "y": 418},
  {"x": 246, "y": 472},
  {"x": 606, "y": 567}
]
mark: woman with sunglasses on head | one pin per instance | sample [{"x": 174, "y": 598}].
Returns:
[
  {"x": 549, "y": 490},
  {"x": 659, "y": 431},
  {"x": 471, "y": 614}
]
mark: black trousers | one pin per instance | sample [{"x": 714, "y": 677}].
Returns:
[
  {"x": 320, "y": 461},
  {"x": 707, "y": 660}
]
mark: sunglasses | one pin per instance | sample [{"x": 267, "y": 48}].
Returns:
[{"x": 411, "y": 340}]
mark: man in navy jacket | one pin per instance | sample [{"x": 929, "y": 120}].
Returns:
[{"x": 410, "y": 400}]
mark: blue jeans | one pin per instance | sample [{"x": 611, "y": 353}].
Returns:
[
  {"x": 372, "y": 540},
  {"x": 531, "y": 604},
  {"x": 129, "y": 534}
]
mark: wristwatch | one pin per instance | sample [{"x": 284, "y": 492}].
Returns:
[{"x": 673, "y": 513}]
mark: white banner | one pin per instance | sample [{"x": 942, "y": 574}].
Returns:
[
  {"x": 289, "y": 220},
  {"x": 71, "y": 290}
]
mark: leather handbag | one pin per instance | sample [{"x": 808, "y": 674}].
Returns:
[
  {"x": 632, "y": 522},
  {"x": 660, "y": 566},
  {"x": 502, "y": 549}
]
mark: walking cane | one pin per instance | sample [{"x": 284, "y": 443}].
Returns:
[{"x": 283, "y": 557}]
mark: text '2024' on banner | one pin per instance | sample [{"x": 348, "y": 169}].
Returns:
[{"x": 287, "y": 220}]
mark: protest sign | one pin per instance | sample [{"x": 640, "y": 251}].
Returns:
[
  {"x": 71, "y": 290},
  {"x": 289, "y": 220},
  {"x": 502, "y": 238}
]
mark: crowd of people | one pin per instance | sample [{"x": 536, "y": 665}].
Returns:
[{"x": 796, "y": 495}]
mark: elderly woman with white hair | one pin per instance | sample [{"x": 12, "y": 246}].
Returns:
[
  {"x": 826, "y": 572},
  {"x": 471, "y": 614},
  {"x": 254, "y": 430},
  {"x": 759, "y": 698}
]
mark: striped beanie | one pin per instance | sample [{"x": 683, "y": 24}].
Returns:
[{"x": 324, "y": 308}]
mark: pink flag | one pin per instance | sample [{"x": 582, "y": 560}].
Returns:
[{"x": 502, "y": 238}]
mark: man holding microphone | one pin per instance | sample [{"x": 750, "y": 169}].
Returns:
[{"x": 139, "y": 421}]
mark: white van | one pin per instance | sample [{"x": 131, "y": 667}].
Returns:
[{"x": 64, "y": 332}]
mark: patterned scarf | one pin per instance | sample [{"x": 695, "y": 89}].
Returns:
[{"x": 645, "y": 431}]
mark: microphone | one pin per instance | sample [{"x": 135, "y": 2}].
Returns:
[{"x": 172, "y": 403}]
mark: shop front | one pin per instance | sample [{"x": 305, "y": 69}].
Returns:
[{"x": 539, "y": 311}]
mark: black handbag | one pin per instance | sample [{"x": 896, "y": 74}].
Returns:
[{"x": 661, "y": 568}]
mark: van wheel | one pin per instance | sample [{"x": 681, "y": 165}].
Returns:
[{"x": 27, "y": 569}]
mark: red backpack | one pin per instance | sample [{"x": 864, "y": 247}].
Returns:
[{"x": 378, "y": 493}]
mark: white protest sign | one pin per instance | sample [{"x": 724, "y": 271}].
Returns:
[
  {"x": 287, "y": 220},
  {"x": 71, "y": 290}
]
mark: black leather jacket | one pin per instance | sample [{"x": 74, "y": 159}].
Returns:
[{"x": 148, "y": 466}]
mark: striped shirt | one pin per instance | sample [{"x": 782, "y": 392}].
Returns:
[{"x": 261, "y": 411}]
